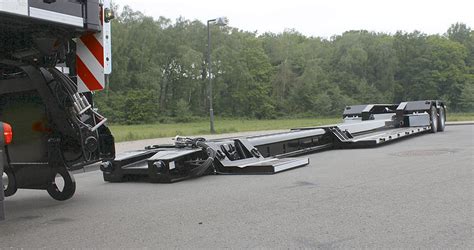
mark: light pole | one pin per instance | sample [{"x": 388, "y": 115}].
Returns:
[{"x": 220, "y": 21}]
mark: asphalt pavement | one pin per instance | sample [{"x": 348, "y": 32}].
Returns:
[{"x": 414, "y": 193}]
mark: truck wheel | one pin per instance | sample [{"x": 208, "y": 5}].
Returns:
[
  {"x": 433, "y": 119},
  {"x": 62, "y": 185},
  {"x": 441, "y": 119},
  {"x": 9, "y": 182}
]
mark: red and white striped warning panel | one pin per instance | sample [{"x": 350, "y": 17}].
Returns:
[
  {"x": 93, "y": 57},
  {"x": 90, "y": 63}
]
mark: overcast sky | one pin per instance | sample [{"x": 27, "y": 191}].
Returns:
[{"x": 318, "y": 18}]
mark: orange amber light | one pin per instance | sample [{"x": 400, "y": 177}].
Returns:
[{"x": 7, "y": 133}]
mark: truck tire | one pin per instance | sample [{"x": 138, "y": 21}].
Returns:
[
  {"x": 433, "y": 119},
  {"x": 69, "y": 185},
  {"x": 9, "y": 187},
  {"x": 441, "y": 119}
]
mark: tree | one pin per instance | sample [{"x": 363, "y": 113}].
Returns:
[{"x": 160, "y": 70}]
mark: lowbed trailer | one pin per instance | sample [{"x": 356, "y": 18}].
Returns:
[{"x": 363, "y": 126}]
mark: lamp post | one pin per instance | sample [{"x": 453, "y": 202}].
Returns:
[{"x": 220, "y": 21}]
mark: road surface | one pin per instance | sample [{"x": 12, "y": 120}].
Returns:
[{"x": 415, "y": 193}]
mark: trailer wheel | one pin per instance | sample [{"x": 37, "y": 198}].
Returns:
[
  {"x": 434, "y": 119},
  {"x": 62, "y": 185},
  {"x": 441, "y": 119},
  {"x": 9, "y": 182}
]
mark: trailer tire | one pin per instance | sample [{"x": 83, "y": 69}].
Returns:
[
  {"x": 433, "y": 119},
  {"x": 69, "y": 185},
  {"x": 441, "y": 119},
  {"x": 11, "y": 187}
]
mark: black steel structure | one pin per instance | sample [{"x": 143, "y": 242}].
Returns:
[
  {"x": 57, "y": 131},
  {"x": 57, "y": 128},
  {"x": 363, "y": 126}
]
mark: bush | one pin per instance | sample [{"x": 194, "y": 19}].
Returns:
[{"x": 131, "y": 107}]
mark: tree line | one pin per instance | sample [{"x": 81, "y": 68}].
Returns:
[{"x": 160, "y": 70}]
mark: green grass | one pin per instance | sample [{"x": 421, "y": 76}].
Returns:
[
  {"x": 457, "y": 117},
  {"x": 148, "y": 131}
]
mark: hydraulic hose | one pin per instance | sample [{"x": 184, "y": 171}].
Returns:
[{"x": 208, "y": 163}]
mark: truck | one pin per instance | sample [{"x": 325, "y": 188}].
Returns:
[{"x": 53, "y": 54}]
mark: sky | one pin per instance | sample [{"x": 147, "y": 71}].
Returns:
[{"x": 317, "y": 17}]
